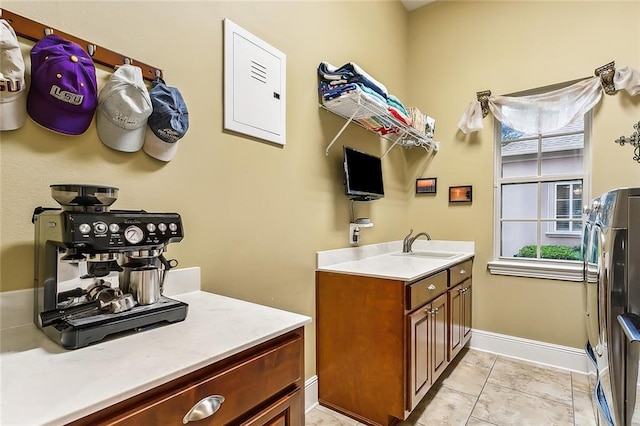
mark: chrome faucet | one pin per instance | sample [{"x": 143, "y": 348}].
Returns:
[{"x": 408, "y": 240}]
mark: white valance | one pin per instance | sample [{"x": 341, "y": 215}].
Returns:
[{"x": 549, "y": 111}]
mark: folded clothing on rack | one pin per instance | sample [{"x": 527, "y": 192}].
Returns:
[
  {"x": 352, "y": 73},
  {"x": 330, "y": 93},
  {"x": 396, "y": 103},
  {"x": 352, "y": 92},
  {"x": 422, "y": 122}
]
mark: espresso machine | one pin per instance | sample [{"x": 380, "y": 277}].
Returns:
[{"x": 99, "y": 272}]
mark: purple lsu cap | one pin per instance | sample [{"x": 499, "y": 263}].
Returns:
[{"x": 64, "y": 92}]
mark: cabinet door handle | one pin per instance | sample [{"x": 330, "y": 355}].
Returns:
[
  {"x": 204, "y": 408},
  {"x": 431, "y": 287},
  {"x": 435, "y": 311}
]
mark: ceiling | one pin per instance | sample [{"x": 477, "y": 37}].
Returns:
[{"x": 414, "y": 4}]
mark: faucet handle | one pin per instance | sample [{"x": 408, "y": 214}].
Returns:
[{"x": 409, "y": 234}]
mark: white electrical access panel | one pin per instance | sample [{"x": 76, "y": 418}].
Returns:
[{"x": 254, "y": 85}]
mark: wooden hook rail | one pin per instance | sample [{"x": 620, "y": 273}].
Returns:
[{"x": 34, "y": 31}]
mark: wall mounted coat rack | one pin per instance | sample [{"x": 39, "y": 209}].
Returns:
[{"x": 34, "y": 31}]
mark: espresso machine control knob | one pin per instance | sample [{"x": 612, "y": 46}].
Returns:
[
  {"x": 114, "y": 228},
  {"x": 100, "y": 227},
  {"x": 133, "y": 234},
  {"x": 173, "y": 227},
  {"x": 84, "y": 228},
  {"x": 151, "y": 227},
  {"x": 162, "y": 227}
]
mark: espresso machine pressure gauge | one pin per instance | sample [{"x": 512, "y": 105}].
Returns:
[{"x": 133, "y": 234}]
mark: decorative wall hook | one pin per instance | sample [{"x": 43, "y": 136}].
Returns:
[
  {"x": 633, "y": 140},
  {"x": 483, "y": 98},
  {"x": 606, "y": 73},
  {"x": 35, "y": 31}
]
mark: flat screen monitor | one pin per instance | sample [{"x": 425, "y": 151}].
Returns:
[{"x": 363, "y": 175}]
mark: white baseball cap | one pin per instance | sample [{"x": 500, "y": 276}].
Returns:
[
  {"x": 124, "y": 106},
  {"x": 13, "y": 93}
]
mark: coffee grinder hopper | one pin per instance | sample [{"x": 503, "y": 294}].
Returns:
[{"x": 81, "y": 197}]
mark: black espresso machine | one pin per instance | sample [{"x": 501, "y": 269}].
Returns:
[{"x": 86, "y": 258}]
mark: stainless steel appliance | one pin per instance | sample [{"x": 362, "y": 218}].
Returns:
[
  {"x": 611, "y": 252},
  {"x": 84, "y": 257}
]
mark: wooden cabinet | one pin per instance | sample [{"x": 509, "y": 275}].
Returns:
[
  {"x": 260, "y": 386},
  {"x": 460, "y": 307},
  {"x": 382, "y": 343},
  {"x": 459, "y": 295},
  {"x": 428, "y": 328}
]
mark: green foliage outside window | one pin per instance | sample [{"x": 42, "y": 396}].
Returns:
[{"x": 551, "y": 252}]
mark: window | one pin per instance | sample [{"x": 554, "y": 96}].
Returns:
[
  {"x": 540, "y": 182},
  {"x": 569, "y": 207}
]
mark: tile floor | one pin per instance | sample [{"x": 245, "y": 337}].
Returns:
[{"x": 484, "y": 389}]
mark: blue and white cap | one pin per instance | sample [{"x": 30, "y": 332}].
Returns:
[{"x": 168, "y": 122}]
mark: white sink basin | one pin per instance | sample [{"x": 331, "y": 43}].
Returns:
[{"x": 431, "y": 253}]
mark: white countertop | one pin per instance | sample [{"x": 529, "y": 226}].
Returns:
[
  {"x": 386, "y": 260},
  {"x": 44, "y": 384}
]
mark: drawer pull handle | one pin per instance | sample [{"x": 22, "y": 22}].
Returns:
[
  {"x": 203, "y": 409},
  {"x": 462, "y": 271},
  {"x": 431, "y": 287}
]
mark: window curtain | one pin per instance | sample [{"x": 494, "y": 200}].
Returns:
[{"x": 551, "y": 111}]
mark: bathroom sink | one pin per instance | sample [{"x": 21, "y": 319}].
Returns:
[{"x": 431, "y": 253}]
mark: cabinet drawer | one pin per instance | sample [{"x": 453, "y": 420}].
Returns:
[
  {"x": 422, "y": 291},
  {"x": 244, "y": 386},
  {"x": 460, "y": 272}
]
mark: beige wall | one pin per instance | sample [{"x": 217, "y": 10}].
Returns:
[
  {"x": 459, "y": 48},
  {"x": 255, "y": 213}
]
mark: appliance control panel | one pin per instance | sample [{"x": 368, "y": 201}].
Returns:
[{"x": 121, "y": 230}]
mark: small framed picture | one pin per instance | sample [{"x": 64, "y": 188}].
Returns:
[
  {"x": 426, "y": 185},
  {"x": 460, "y": 194}
]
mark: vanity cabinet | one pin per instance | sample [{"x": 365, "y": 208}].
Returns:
[
  {"x": 428, "y": 347},
  {"x": 263, "y": 385},
  {"x": 459, "y": 296},
  {"x": 383, "y": 343}
]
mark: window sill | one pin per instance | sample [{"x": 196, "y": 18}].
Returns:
[
  {"x": 544, "y": 269},
  {"x": 563, "y": 234}
]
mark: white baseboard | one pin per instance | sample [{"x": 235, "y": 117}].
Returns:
[
  {"x": 564, "y": 357},
  {"x": 310, "y": 393}
]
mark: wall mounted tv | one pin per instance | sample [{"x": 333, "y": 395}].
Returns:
[{"x": 363, "y": 175}]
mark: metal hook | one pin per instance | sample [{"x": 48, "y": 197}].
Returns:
[
  {"x": 48, "y": 31},
  {"x": 127, "y": 61},
  {"x": 91, "y": 48},
  {"x": 158, "y": 73}
]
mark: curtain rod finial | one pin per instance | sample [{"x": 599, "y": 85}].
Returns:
[
  {"x": 483, "y": 98},
  {"x": 606, "y": 73}
]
